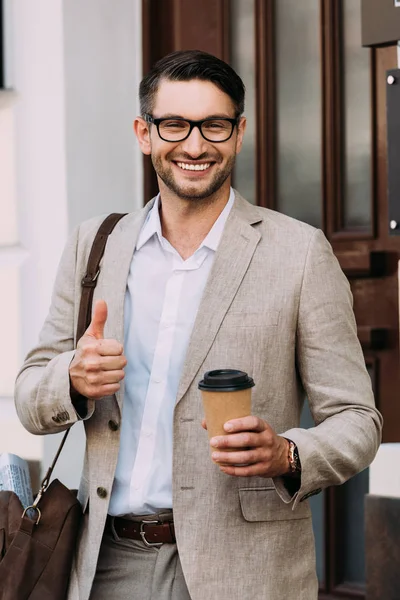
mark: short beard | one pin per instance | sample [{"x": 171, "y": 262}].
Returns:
[{"x": 166, "y": 175}]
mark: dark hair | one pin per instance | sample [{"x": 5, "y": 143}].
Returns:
[{"x": 185, "y": 65}]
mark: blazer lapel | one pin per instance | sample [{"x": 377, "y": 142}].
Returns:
[
  {"x": 235, "y": 251},
  {"x": 114, "y": 273}
]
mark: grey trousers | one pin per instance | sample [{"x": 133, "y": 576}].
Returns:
[{"x": 129, "y": 570}]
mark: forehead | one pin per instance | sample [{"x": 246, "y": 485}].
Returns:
[{"x": 193, "y": 99}]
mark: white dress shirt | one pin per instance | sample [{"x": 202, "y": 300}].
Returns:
[{"x": 162, "y": 298}]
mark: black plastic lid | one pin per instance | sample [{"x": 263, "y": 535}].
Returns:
[{"x": 225, "y": 380}]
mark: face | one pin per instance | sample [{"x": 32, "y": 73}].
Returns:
[{"x": 194, "y": 168}]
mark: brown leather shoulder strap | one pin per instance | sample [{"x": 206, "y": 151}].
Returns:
[
  {"x": 92, "y": 272},
  {"x": 85, "y": 308}
]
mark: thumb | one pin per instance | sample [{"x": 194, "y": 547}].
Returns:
[{"x": 99, "y": 318}]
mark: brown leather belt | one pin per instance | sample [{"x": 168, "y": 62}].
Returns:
[{"x": 150, "y": 531}]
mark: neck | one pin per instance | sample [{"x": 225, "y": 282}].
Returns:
[{"x": 185, "y": 223}]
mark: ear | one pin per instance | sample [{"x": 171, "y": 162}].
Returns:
[
  {"x": 142, "y": 131},
  {"x": 241, "y": 128}
]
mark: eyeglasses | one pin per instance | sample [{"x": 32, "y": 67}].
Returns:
[{"x": 177, "y": 129}]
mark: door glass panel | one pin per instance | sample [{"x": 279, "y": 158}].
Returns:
[
  {"x": 352, "y": 518},
  {"x": 243, "y": 61},
  {"x": 299, "y": 99},
  {"x": 358, "y": 133},
  {"x": 354, "y": 491},
  {"x": 317, "y": 506}
]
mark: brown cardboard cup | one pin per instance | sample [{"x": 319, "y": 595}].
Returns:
[{"x": 226, "y": 395}]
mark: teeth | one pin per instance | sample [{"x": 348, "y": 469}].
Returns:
[{"x": 191, "y": 167}]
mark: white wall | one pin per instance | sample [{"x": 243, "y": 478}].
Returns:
[
  {"x": 36, "y": 190},
  {"x": 67, "y": 152},
  {"x": 102, "y": 70},
  {"x": 102, "y": 43}
]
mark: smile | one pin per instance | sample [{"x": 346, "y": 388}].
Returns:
[{"x": 193, "y": 167}]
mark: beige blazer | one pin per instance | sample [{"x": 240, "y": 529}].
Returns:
[{"x": 276, "y": 305}]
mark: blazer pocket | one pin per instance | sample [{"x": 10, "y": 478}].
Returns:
[
  {"x": 252, "y": 319},
  {"x": 264, "y": 504}
]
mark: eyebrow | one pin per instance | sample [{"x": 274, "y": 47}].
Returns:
[{"x": 172, "y": 116}]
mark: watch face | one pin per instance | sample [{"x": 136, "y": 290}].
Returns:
[{"x": 296, "y": 457}]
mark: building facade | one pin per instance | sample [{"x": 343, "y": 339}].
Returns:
[{"x": 316, "y": 149}]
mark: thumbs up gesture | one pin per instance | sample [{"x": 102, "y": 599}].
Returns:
[{"x": 97, "y": 367}]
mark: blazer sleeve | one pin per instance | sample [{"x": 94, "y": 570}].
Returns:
[
  {"x": 42, "y": 390},
  {"x": 331, "y": 365}
]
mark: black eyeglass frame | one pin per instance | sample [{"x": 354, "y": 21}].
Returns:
[{"x": 157, "y": 122}]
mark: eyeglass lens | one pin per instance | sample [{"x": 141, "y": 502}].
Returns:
[{"x": 217, "y": 130}]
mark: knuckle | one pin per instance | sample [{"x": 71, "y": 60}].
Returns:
[
  {"x": 86, "y": 348},
  {"x": 269, "y": 440},
  {"x": 252, "y": 457},
  {"x": 91, "y": 365},
  {"x": 82, "y": 350},
  {"x": 247, "y": 439},
  {"x": 91, "y": 378},
  {"x": 267, "y": 457}
]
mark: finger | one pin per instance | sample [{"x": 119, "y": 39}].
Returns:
[
  {"x": 99, "y": 318},
  {"x": 112, "y": 363},
  {"x": 237, "y": 440},
  {"x": 103, "y": 390},
  {"x": 249, "y": 457},
  {"x": 245, "y": 471},
  {"x": 109, "y": 348},
  {"x": 104, "y": 378},
  {"x": 250, "y": 423},
  {"x": 112, "y": 376},
  {"x": 204, "y": 424}
]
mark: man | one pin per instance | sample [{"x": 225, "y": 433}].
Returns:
[{"x": 200, "y": 280}]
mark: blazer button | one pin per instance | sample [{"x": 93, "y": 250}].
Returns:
[
  {"x": 102, "y": 492},
  {"x": 113, "y": 425}
]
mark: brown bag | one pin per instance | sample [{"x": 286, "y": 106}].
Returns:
[{"x": 36, "y": 553}]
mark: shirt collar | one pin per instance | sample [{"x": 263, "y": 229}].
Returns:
[
  {"x": 152, "y": 225},
  {"x": 213, "y": 237}
]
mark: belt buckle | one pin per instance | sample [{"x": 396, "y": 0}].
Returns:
[{"x": 143, "y": 533}]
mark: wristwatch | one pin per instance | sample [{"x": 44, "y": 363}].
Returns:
[{"x": 294, "y": 459}]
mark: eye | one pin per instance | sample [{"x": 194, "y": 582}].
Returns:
[
  {"x": 217, "y": 125},
  {"x": 174, "y": 124}
]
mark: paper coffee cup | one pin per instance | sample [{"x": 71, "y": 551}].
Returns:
[{"x": 226, "y": 395}]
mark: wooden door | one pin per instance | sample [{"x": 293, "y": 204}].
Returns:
[
  {"x": 316, "y": 150},
  {"x": 369, "y": 257}
]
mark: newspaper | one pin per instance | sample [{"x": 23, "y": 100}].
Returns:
[{"x": 15, "y": 477}]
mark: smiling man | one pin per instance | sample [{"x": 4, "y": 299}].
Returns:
[{"x": 199, "y": 280}]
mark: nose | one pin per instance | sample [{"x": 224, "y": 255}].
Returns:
[{"x": 195, "y": 144}]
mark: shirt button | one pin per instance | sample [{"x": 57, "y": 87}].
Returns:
[
  {"x": 156, "y": 380},
  {"x": 113, "y": 425},
  {"x": 101, "y": 492}
]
